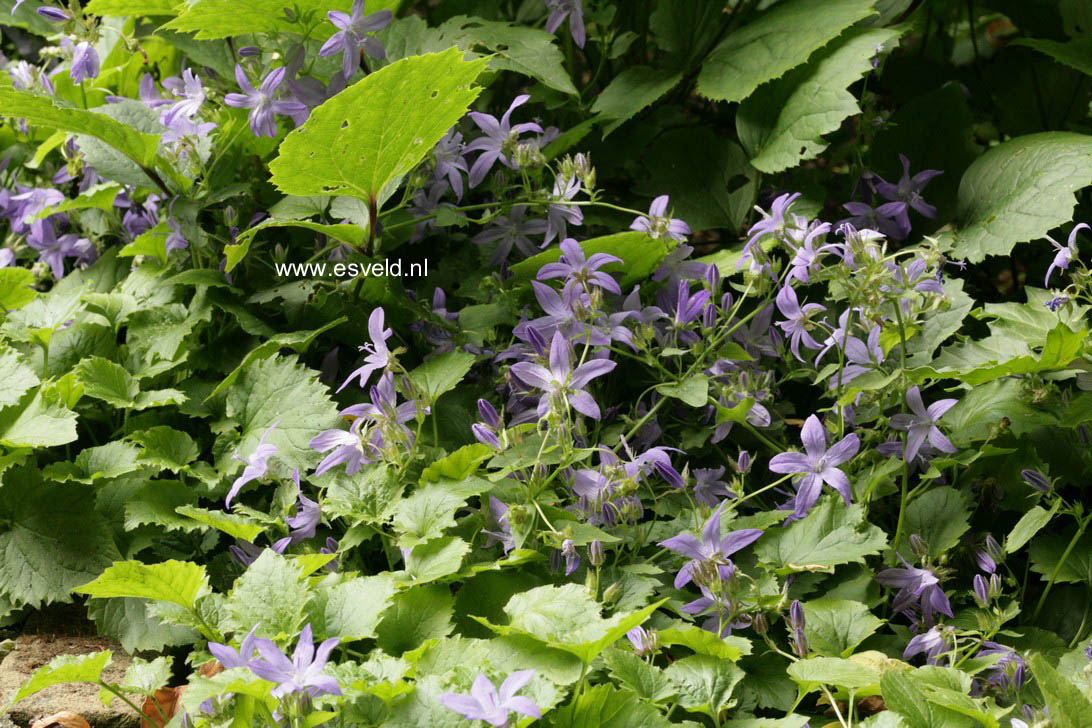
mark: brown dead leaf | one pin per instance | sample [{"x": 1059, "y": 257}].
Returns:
[
  {"x": 64, "y": 719},
  {"x": 871, "y": 705},
  {"x": 168, "y": 699},
  {"x": 210, "y": 668}
]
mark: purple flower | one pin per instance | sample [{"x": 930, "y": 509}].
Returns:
[
  {"x": 643, "y": 641},
  {"x": 1036, "y": 480},
  {"x": 378, "y": 355},
  {"x": 708, "y": 487},
  {"x": 922, "y": 424},
  {"x": 53, "y": 250},
  {"x": 577, "y": 269},
  {"x": 797, "y": 637},
  {"x": 907, "y": 193},
  {"x": 676, "y": 267},
  {"x": 307, "y": 516},
  {"x": 806, "y": 256},
  {"x": 916, "y": 584},
  {"x": 256, "y": 465},
  {"x": 485, "y": 703},
  {"x": 658, "y": 224},
  {"x": 817, "y": 464},
  {"x": 1009, "y": 672},
  {"x": 191, "y": 95},
  {"x": 503, "y": 533},
  {"x": 572, "y": 558},
  {"x": 560, "y": 381},
  {"x": 344, "y": 447},
  {"x": 7, "y": 257},
  {"x": 511, "y": 231},
  {"x": 797, "y": 323},
  {"x": 55, "y": 14},
  {"x": 227, "y": 655},
  {"x": 450, "y": 164},
  {"x": 571, "y": 9},
  {"x": 1057, "y": 302},
  {"x": 880, "y": 218},
  {"x": 711, "y": 548},
  {"x": 933, "y": 644},
  {"x": 353, "y": 34},
  {"x": 85, "y": 61},
  {"x": 500, "y": 137},
  {"x": 303, "y": 673},
  {"x": 1065, "y": 253},
  {"x": 772, "y": 223},
  {"x": 560, "y": 215},
  {"x": 486, "y": 432},
  {"x": 261, "y": 103}
]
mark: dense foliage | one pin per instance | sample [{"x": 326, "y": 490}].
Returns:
[{"x": 690, "y": 362}]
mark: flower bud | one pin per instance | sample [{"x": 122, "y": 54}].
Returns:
[
  {"x": 994, "y": 549},
  {"x": 918, "y": 545},
  {"x": 612, "y": 593},
  {"x": 249, "y": 51},
  {"x": 796, "y": 615},
  {"x": 995, "y": 586},
  {"x": 743, "y": 462},
  {"x": 55, "y": 14},
  {"x": 1036, "y": 480},
  {"x": 761, "y": 626},
  {"x": 981, "y": 591},
  {"x": 799, "y": 643},
  {"x": 595, "y": 553},
  {"x": 486, "y": 436},
  {"x": 488, "y": 413},
  {"x": 985, "y": 561}
]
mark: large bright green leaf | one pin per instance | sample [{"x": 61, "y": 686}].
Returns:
[
  {"x": 425, "y": 515},
  {"x": 705, "y": 683},
  {"x": 1029, "y": 524},
  {"x": 43, "y": 111},
  {"x": 18, "y": 376},
  {"x": 1018, "y": 191},
  {"x": 810, "y": 674},
  {"x": 210, "y": 19},
  {"x": 64, "y": 669},
  {"x": 1069, "y": 707},
  {"x": 784, "y": 121},
  {"x": 15, "y": 288},
  {"x": 351, "y": 609},
  {"x": 375, "y": 131},
  {"x": 939, "y": 516},
  {"x": 604, "y": 706},
  {"x": 831, "y": 534},
  {"x": 1046, "y": 553},
  {"x": 834, "y": 627},
  {"x": 178, "y": 582},
  {"x": 271, "y": 592},
  {"x": 780, "y": 39},
  {"x": 131, "y": 7},
  {"x": 441, "y": 373},
  {"x": 38, "y": 419}
]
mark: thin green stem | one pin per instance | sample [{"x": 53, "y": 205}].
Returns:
[{"x": 1082, "y": 525}]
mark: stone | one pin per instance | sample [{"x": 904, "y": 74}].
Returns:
[{"x": 31, "y": 651}]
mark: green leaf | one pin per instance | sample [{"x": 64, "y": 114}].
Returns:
[
  {"x": 1046, "y": 552},
  {"x": 705, "y": 683},
  {"x": 178, "y": 582},
  {"x": 270, "y": 593},
  {"x": 1029, "y": 524},
  {"x": 369, "y": 496},
  {"x": 1001, "y": 355},
  {"x": 96, "y": 463},
  {"x": 811, "y": 673},
  {"x": 640, "y": 255},
  {"x": 100, "y": 197},
  {"x": 425, "y": 515},
  {"x": 54, "y": 539},
  {"x": 351, "y": 610},
  {"x": 776, "y": 41},
  {"x": 783, "y": 122},
  {"x": 904, "y": 694},
  {"x": 108, "y": 381},
  {"x": 64, "y": 669},
  {"x": 981, "y": 411},
  {"x": 1069, "y": 708},
  {"x": 280, "y": 390},
  {"x": 1077, "y": 54},
  {"x": 630, "y": 91},
  {"x": 212, "y": 19},
  {"x": 518, "y": 48},
  {"x": 1019, "y": 191},
  {"x": 705, "y": 643},
  {"x": 436, "y": 559},
  {"x": 693, "y": 391},
  {"x": 940, "y": 516},
  {"x": 604, "y": 706},
  {"x": 121, "y": 8},
  {"x": 18, "y": 376},
  {"x": 834, "y": 627},
  {"x": 16, "y": 288},
  {"x": 343, "y": 232},
  {"x": 127, "y": 620},
  {"x": 38, "y": 419},
  {"x": 369, "y": 135},
  {"x": 145, "y": 677},
  {"x": 165, "y": 448},
  {"x": 150, "y": 244},
  {"x": 441, "y": 373},
  {"x": 42, "y": 111},
  {"x": 233, "y": 524},
  {"x": 647, "y": 680},
  {"x": 830, "y": 535},
  {"x": 417, "y": 614},
  {"x": 459, "y": 465}
]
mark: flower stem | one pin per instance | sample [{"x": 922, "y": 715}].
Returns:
[{"x": 1082, "y": 524}]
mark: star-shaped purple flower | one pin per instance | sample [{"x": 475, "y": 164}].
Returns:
[
  {"x": 658, "y": 225},
  {"x": 575, "y": 268},
  {"x": 797, "y": 323},
  {"x": 353, "y": 35},
  {"x": 922, "y": 424},
  {"x": 1065, "y": 253},
  {"x": 377, "y": 354},
  {"x": 303, "y": 673},
  {"x": 500, "y": 137},
  {"x": 817, "y": 464},
  {"x": 560, "y": 381},
  {"x": 711, "y": 548},
  {"x": 485, "y": 703},
  {"x": 261, "y": 103}
]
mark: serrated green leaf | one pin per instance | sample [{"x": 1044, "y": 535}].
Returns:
[
  {"x": 812, "y": 673},
  {"x": 904, "y": 694},
  {"x": 1029, "y": 524},
  {"x": 940, "y": 516},
  {"x": 693, "y": 391},
  {"x": 1069, "y": 707},
  {"x": 706, "y": 643},
  {"x": 981, "y": 410},
  {"x": 108, "y": 381},
  {"x": 630, "y": 91},
  {"x": 233, "y": 524},
  {"x": 776, "y": 41},
  {"x": 96, "y": 463},
  {"x": 436, "y": 559},
  {"x": 16, "y": 288},
  {"x": 834, "y": 627},
  {"x": 212, "y": 19},
  {"x": 705, "y": 683},
  {"x": 38, "y": 419},
  {"x": 349, "y": 234},
  {"x": 783, "y": 122},
  {"x": 351, "y": 610},
  {"x": 64, "y": 669},
  {"x": 646, "y": 680},
  {"x": 147, "y": 676},
  {"x": 425, "y": 515},
  {"x": 417, "y": 614},
  {"x": 459, "y": 465},
  {"x": 604, "y": 706},
  {"x": 831, "y": 534},
  {"x": 375, "y": 131},
  {"x": 177, "y": 582},
  {"x": 18, "y": 376},
  {"x": 42, "y": 111},
  {"x": 140, "y": 8},
  {"x": 441, "y": 373},
  {"x": 271, "y": 593},
  {"x": 165, "y": 448},
  {"x": 1077, "y": 54},
  {"x": 1019, "y": 191}
]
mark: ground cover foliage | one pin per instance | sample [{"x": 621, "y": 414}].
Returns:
[{"x": 748, "y": 384}]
